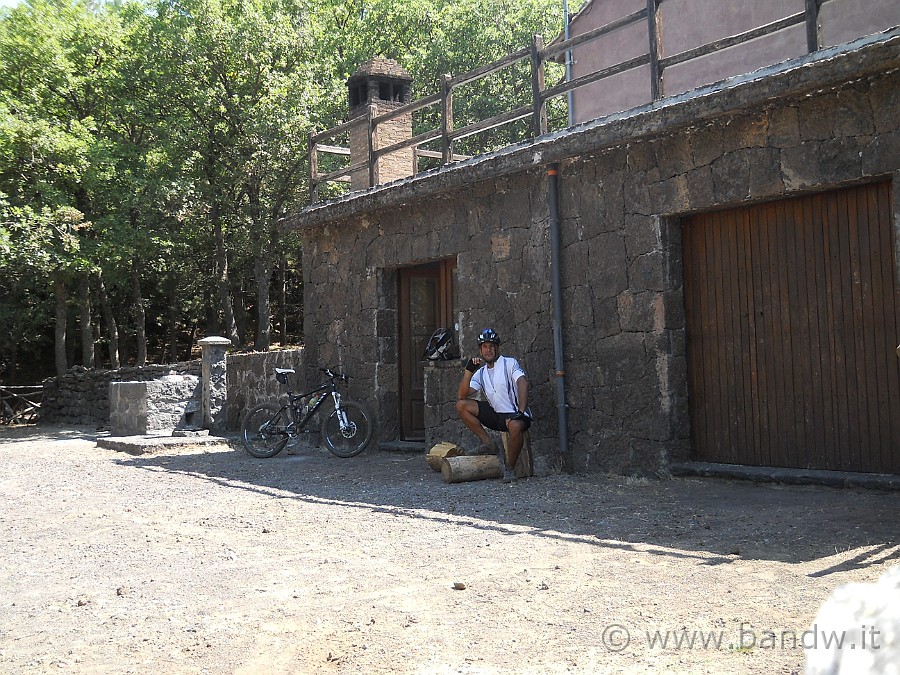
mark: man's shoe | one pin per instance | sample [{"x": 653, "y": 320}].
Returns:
[{"x": 488, "y": 449}]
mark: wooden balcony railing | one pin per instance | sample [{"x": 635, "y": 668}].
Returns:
[{"x": 537, "y": 54}]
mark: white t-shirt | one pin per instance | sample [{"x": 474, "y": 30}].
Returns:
[{"x": 499, "y": 383}]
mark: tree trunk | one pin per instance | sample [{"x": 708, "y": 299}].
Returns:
[
  {"x": 13, "y": 351},
  {"x": 435, "y": 456},
  {"x": 263, "y": 269},
  {"x": 242, "y": 318},
  {"x": 85, "y": 325},
  {"x": 59, "y": 290},
  {"x": 221, "y": 274},
  {"x": 282, "y": 310},
  {"x": 172, "y": 319},
  {"x": 140, "y": 316},
  {"x": 109, "y": 318}
]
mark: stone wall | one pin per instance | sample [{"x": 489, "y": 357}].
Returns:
[
  {"x": 81, "y": 396},
  {"x": 624, "y": 185},
  {"x": 498, "y": 233},
  {"x": 441, "y": 382},
  {"x": 163, "y": 405},
  {"x": 250, "y": 380}
]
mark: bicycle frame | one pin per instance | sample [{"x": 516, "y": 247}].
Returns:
[
  {"x": 299, "y": 420},
  {"x": 346, "y": 427}
]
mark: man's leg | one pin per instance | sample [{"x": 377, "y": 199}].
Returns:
[
  {"x": 467, "y": 409},
  {"x": 515, "y": 441}
]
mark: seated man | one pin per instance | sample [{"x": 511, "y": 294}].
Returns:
[{"x": 505, "y": 386}]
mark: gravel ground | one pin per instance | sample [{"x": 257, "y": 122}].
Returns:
[{"x": 204, "y": 560}]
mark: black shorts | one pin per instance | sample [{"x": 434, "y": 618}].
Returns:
[{"x": 494, "y": 420}]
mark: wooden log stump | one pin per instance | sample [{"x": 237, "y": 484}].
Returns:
[
  {"x": 524, "y": 465},
  {"x": 467, "y": 468},
  {"x": 436, "y": 455}
]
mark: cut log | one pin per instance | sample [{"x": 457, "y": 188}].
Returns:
[
  {"x": 436, "y": 455},
  {"x": 525, "y": 465},
  {"x": 464, "y": 468}
]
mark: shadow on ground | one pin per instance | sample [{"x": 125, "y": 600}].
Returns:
[
  {"x": 714, "y": 520},
  {"x": 717, "y": 521}
]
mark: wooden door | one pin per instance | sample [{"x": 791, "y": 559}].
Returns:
[
  {"x": 427, "y": 302},
  {"x": 419, "y": 316},
  {"x": 791, "y": 316}
]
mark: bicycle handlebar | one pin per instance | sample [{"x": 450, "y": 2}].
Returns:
[{"x": 333, "y": 375}]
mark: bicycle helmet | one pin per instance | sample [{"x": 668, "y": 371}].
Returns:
[
  {"x": 438, "y": 348},
  {"x": 488, "y": 335}
]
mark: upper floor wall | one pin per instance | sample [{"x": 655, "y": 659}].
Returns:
[{"x": 683, "y": 25}]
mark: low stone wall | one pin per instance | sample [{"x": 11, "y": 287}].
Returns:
[
  {"x": 250, "y": 380},
  {"x": 166, "y": 404},
  {"x": 81, "y": 396}
]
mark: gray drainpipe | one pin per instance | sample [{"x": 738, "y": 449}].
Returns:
[{"x": 556, "y": 295}]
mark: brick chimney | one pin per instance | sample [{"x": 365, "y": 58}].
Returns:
[{"x": 383, "y": 84}]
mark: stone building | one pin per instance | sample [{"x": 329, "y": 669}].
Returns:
[{"x": 717, "y": 297}]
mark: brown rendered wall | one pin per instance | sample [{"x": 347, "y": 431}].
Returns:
[
  {"x": 687, "y": 24},
  {"x": 623, "y": 189}
]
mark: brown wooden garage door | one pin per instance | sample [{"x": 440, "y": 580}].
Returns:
[{"x": 792, "y": 328}]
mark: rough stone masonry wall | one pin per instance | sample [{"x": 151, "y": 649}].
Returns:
[
  {"x": 350, "y": 273},
  {"x": 251, "y": 380},
  {"x": 620, "y": 209},
  {"x": 81, "y": 396},
  {"x": 441, "y": 378},
  {"x": 162, "y": 405},
  {"x": 625, "y": 328}
]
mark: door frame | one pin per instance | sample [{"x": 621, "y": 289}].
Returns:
[{"x": 444, "y": 271}]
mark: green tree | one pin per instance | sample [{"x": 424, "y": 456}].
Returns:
[
  {"x": 58, "y": 58},
  {"x": 149, "y": 149},
  {"x": 239, "y": 131},
  {"x": 432, "y": 37}
]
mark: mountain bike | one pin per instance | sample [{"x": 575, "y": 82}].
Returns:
[{"x": 346, "y": 425}]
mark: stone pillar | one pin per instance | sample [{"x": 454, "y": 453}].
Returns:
[
  {"x": 212, "y": 350},
  {"x": 441, "y": 420},
  {"x": 127, "y": 408}
]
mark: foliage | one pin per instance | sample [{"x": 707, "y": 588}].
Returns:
[
  {"x": 432, "y": 37},
  {"x": 156, "y": 145}
]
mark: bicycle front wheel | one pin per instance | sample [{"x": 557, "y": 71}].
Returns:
[
  {"x": 264, "y": 430},
  {"x": 347, "y": 432}
]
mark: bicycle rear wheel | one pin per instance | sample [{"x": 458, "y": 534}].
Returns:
[
  {"x": 351, "y": 438},
  {"x": 264, "y": 430}
]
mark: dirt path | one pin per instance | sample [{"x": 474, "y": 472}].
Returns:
[{"x": 206, "y": 560}]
